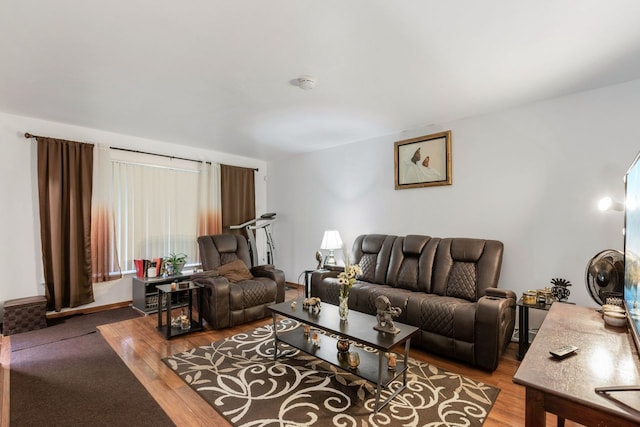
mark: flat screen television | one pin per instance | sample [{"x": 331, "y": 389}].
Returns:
[{"x": 632, "y": 248}]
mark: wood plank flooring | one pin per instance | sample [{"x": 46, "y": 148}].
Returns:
[{"x": 142, "y": 347}]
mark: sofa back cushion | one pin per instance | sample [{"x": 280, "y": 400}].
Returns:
[
  {"x": 411, "y": 263},
  {"x": 464, "y": 267},
  {"x": 219, "y": 249},
  {"x": 372, "y": 253}
]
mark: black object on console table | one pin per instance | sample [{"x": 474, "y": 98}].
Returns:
[{"x": 145, "y": 294}]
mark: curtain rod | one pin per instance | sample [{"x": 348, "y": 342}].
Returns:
[
  {"x": 163, "y": 155},
  {"x": 155, "y": 154},
  {"x": 28, "y": 135}
]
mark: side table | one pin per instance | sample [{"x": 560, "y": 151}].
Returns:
[
  {"x": 307, "y": 282},
  {"x": 145, "y": 295},
  {"x": 166, "y": 291},
  {"x": 523, "y": 324}
]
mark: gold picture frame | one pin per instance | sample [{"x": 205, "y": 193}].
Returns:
[{"x": 423, "y": 162}]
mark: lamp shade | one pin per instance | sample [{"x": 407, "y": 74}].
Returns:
[{"x": 331, "y": 240}]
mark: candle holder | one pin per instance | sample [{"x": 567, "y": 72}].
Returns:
[
  {"x": 185, "y": 322},
  {"x": 392, "y": 361},
  {"x": 343, "y": 345},
  {"x": 354, "y": 360}
]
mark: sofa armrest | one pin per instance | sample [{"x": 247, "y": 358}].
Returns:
[
  {"x": 269, "y": 271},
  {"x": 317, "y": 277},
  {"x": 215, "y": 298},
  {"x": 499, "y": 293},
  {"x": 495, "y": 322}
]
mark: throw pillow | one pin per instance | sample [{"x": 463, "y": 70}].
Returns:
[{"x": 235, "y": 271}]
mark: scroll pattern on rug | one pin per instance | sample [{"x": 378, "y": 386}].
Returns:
[{"x": 240, "y": 379}]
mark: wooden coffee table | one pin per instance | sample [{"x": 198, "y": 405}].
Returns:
[{"x": 358, "y": 328}]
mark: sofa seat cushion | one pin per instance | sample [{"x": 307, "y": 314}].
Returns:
[
  {"x": 250, "y": 293},
  {"x": 446, "y": 316}
]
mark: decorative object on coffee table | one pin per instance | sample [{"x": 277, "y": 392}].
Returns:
[
  {"x": 385, "y": 315},
  {"x": 343, "y": 345},
  {"x": 343, "y": 308},
  {"x": 346, "y": 279},
  {"x": 312, "y": 304},
  {"x": 354, "y": 359}
]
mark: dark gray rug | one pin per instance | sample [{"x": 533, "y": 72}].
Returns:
[
  {"x": 68, "y": 375},
  {"x": 240, "y": 379},
  {"x": 70, "y": 327}
]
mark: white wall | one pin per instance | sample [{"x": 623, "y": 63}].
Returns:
[
  {"x": 529, "y": 176},
  {"x": 19, "y": 221}
]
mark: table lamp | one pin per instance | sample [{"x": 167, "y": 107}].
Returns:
[{"x": 331, "y": 241}]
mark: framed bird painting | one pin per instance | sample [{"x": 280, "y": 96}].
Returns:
[{"x": 423, "y": 162}]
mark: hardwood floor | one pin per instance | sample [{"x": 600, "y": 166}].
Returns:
[{"x": 141, "y": 347}]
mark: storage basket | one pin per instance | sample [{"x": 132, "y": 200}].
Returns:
[{"x": 24, "y": 314}]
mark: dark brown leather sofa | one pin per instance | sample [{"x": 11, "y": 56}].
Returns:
[
  {"x": 445, "y": 286},
  {"x": 230, "y": 299}
]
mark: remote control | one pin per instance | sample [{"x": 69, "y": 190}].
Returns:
[{"x": 564, "y": 351}]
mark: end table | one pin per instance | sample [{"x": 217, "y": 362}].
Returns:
[{"x": 167, "y": 291}]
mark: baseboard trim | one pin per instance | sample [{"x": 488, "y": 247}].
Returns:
[
  {"x": 73, "y": 312},
  {"x": 293, "y": 285}
]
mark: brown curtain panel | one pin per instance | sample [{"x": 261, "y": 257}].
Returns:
[
  {"x": 65, "y": 170},
  {"x": 238, "y": 194}
]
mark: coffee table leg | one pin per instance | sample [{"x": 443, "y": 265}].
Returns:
[
  {"x": 275, "y": 338},
  {"x": 379, "y": 384},
  {"x": 378, "y": 406},
  {"x": 407, "y": 346}
]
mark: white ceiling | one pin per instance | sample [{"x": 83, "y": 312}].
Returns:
[{"x": 218, "y": 74}]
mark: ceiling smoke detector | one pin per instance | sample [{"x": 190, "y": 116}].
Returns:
[{"x": 306, "y": 82}]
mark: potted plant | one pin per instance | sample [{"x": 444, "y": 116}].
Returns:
[{"x": 175, "y": 262}]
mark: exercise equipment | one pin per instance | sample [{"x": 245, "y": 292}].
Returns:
[{"x": 264, "y": 223}]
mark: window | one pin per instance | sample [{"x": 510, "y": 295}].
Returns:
[{"x": 159, "y": 204}]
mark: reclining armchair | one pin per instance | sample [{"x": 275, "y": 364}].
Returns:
[{"x": 233, "y": 293}]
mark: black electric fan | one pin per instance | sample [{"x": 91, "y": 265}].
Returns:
[{"x": 605, "y": 275}]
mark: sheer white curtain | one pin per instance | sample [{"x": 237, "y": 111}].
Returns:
[
  {"x": 104, "y": 255},
  {"x": 158, "y": 207},
  {"x": 209, "y": 211}
]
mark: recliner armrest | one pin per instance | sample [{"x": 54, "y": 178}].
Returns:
[
  {"x": 263, "y": 267},
  {"x": 499, "y": 293},
  {"x": 215, "y": 295},
  {"x": 204, "y": 275},
  {"x": 269, "y": 271}
]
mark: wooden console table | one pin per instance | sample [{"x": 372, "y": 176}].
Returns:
[{"x": 606, "y": 357}]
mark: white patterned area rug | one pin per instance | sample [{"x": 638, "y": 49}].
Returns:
[{"x": 240, "y": 379}]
